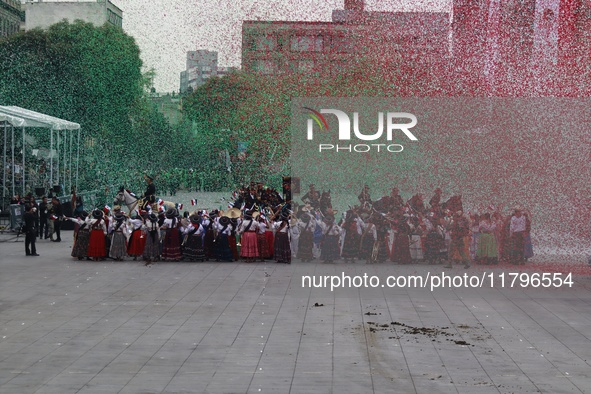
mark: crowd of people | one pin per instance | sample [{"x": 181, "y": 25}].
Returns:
[{"x": 260, "y": 224}]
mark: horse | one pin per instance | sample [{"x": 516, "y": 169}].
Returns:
[
  {"x": 325, "y": 202},
  {"x": 128, "y": 198}
]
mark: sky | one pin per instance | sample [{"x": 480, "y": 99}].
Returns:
[{"x": 166, "y": 29}]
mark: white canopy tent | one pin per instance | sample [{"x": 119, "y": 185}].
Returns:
[{"x": 62, "y": 137}]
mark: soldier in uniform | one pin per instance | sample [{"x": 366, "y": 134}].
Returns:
[{"x": 150, "y": 193}]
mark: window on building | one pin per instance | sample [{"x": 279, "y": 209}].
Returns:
[
  {"x": 341, "y": 44},
  {"x": 337, "y": 68},
  {"x": 307, "y": 43},
  {"x": 305, "y": 66},
  {"x": 114, "y": 18},
  {"x": 266, "y": 43},
  {"x": 265, "y": 66}
]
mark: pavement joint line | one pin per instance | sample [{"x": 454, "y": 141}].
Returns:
[{"x": 237, "y": 265}]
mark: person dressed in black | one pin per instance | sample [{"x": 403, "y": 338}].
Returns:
[
  {"x": 31, "y": 201},
  {"x": 58, "y": 212},
  {"x": 150, "y": 193},
  {"x": 43, "y": 216},
  {"x": 30, "y": 230}
]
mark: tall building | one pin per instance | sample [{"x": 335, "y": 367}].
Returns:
[
  {"x": 482, "y": 47},
  {"x": 201, "y": 65},
  {"x": 42, "y": 14},
  {"x": 11, "y": 17},
  {"x": 352, "y": 37}
]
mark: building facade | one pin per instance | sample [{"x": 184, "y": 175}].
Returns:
[
  {"x": 201, "y": 65},
  {"x": 482, "y": 47},
  {"x": 353, "y": 38},
  {"x": 11, "y": 17},
  {"x": 41, "y": 14}
]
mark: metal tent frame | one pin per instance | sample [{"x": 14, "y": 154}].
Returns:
[{"x": 15, "y": 117}]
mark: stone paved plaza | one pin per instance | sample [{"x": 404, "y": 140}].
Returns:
[{"x": 69, "y": 326}]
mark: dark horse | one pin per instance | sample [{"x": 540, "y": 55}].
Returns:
[{"x": 325, "y": 202}]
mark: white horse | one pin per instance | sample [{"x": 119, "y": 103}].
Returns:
[{"x": 128, "y": 198}]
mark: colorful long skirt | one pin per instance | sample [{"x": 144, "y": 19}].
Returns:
[
  {"x": 137, "y": 243},
  {"x": 96, "y": 244},
  {"x": 171, "y": 245},
  {"x": 222, "y": 249},
  {"x": 249, "y": 245},
  {"x": 305, "y": 245},
  {"x": 270, "y": 242},
  {"x": 80, "y": 248},
  {"x": 351, "y": 245},
  {"x": 152, "y": 247},
  {"x": 487, "y": 246},
  {"x": 367, "y": 244},
  {"x": 401, "y": 252},
  {"x": 194, "y": 248},
  {"x": 330, "y": 248},
  {"x": 208, "y": 244},
  {"x": 282, "y": 248},
  {"x": 263, "y": 246},
  {"x": 233, "y": 246},
  {"x": 118, "y": 246}
]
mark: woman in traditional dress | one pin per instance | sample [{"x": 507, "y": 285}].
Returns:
[
  {"x": 98, "y": 232},
  {"x": 80, "y": 248},
  {"x": 209, "y": 224},
  {"x": 262, "y": 244},
  {"x": 232, "y": 238},
  {"x": 352, "y": 228},
  {"x": 171, "y": 243},
  {"x": 222, "y": 246},
  {"x": 487, "y": 246},
  {"x": 401, "y": 249},
  {"x": 433, "y": 240},
  {"x": 137, "y": 240},
  {"x": 249, "y": 249},
  {"x": 369, "y": 238},
  {"x": 306, "y": 239},
  {"x": 330, "y": 242},
  {"x": 193, "y": 240},
  {"x": 119, "y": 232},
  {"x": 282, "y": 252},
  {"x": 152, "y": 246}
]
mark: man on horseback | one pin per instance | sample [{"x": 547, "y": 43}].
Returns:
[{"x": 149, "y": 196}]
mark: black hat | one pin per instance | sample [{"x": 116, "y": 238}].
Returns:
[
  {"x": 97, "y": 214},
  {"x": 284, "y": 216},
  {"x": 305, "y": 218},
  {"x": 149, "y": 177},
  {"x": 119, "y": 216},
  {"x": 224, "y": 220},
  {"x": 194, "y": 219},
  {"x": 153, "y": 218},
  {"x": 84, "y": 214},
  {"x": 171, "y": 213},
  {"x": 247, "y": 215},
  {"x": 329, "y": 219}
]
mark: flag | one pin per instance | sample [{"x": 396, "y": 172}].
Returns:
[
  {"x": 107, "y": 207},
  {"x": 53, "y": 217},
  {"x": 194, "y": 202},
  {"x": 160, "y": 202},
  {"x": 180, "y": 206}
]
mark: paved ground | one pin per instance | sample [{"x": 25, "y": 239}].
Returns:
[{"x": 69, "y": 326}]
